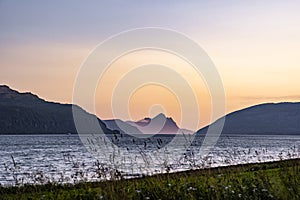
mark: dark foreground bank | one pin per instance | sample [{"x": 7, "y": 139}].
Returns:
[{"x": 274, "y": 180}]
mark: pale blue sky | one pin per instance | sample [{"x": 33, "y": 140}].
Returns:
[{"x": 75, "y": 21}]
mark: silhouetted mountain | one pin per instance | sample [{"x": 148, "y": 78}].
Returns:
[
  {"x": 123, "y": 127},
  {"x": 281, "y": 118},
  {"x": 158, "y": 124},
  {"x": 26, "y": 113}
]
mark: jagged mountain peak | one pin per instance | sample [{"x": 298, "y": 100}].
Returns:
[
  {"x": 158, "y": 124},
  {"x": 160, "y": 115}
]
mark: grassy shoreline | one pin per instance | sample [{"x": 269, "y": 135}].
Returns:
[{"x": 271, "y": 180}]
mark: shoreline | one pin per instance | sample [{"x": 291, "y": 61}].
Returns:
[{"x": 268, "y": 180}]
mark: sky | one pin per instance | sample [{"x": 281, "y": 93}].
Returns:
[{"x": 254, "y": 45}]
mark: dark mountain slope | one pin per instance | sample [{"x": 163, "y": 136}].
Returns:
[
  {"x": 158, "y": 124},
  {"x": 25, "y": 113},
  {"x": 270, "y": 118},
  {"x": 121, "y": 126}
]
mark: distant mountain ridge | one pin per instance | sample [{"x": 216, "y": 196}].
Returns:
[
  {"x": 159, "y": 124},
  {"x": 121, "y": 126},
  {"x": 26, "y": 113},
  {"x": 269, "y": 118}
]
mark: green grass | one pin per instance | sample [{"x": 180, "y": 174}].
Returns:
[{"x": 274, "y": 180}]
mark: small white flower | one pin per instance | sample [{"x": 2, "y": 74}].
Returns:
[{"x": 192, "y": 188}]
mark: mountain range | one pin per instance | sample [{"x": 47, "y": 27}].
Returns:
[
  {"x": 159, "y": 124},
  {"x": 26, "y": 113}
]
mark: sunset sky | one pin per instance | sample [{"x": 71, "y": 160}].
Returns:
[{"x": 255, "y": 46}]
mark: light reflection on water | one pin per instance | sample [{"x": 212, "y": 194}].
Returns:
[{"x": 57, "y": 156}]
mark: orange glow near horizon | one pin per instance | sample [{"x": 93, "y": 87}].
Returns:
[
  {"x": 254, "y": 45},
  {"x": 161, "y": 101},
  {"x": 244, "y": 86},
  {"x": 142, "y": 101}
]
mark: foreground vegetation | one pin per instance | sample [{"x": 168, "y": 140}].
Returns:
[{"x": 273, "y": 180}]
